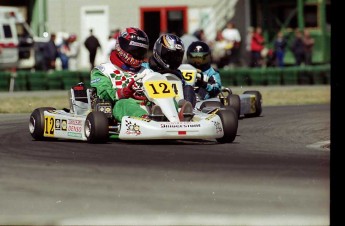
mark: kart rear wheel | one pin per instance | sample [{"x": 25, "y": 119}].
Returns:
[
  {"x": 96, "y": 127},
  {"x": 36, "y": 123},
  {"x": 258, "y": 103},
  {"x": 229, "y": 119},
  {"x": 235, "y": 102}
]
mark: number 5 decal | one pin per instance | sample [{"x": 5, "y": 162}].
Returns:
[{"x": 189, "y": 76}]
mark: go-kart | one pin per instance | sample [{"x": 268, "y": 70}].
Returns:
[
  {"x": 248, "y": 104},
  {"x": 91, "y": 119}
]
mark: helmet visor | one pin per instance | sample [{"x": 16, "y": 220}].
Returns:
[
  {"x": 172, "y": 58},
  {"x": 137, "y": 49},
  {"x": 198, "y": 58}
]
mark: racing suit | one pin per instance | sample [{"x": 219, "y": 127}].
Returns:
[
  {"x": 209, "y": 83},
  {"x": 108, "y": 79}
]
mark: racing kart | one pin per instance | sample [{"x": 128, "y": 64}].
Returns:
[
  {"x": 248, "y": 104},
  {"x": 91, "y": 119}
]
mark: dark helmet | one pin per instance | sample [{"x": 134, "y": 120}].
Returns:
[
  {"x": 168, "y": 51},
  {"x": 199, "y": 55},
  {"x": 132, "y": 46}
]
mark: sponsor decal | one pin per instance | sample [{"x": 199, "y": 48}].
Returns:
[
  {"x": 73, "y": 134},
  {"x": 57, "y": 124},
  {"x": 141, "y": 119},
  {"x": 95, "y": 80},
  {"x": 141, "y": 38},
  {"x": 178, "y": 46},
  {"x": 74, "y": 122},
  {"x": 219, "y": 128},
  {"x": 133, "y": 43},
  {"x": 74, "y": 128},
  {"x": 179, "y": 125},
  {"x": 132, "y": 128},
  {"x": 64, "y": 125}
]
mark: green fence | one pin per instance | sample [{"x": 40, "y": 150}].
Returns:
[
  {"x": 39, "y": 80},
  {"x": 303, "y": 75},
  {"x": 63, "y": 80}
]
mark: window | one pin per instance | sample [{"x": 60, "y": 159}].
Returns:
[
  {"x": 7, "y": 31},
  {"x": 310, "y": 16}
]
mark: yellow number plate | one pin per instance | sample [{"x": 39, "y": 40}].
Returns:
[
  {"x": 49, "y": 126},
  {"x": 189, "y": 75},
  {"x": 159, "y": 89}
]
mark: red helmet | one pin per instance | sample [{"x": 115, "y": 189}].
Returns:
[{"x": 132, "y": 46}]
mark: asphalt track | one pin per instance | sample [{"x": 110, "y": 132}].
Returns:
[{"x": 277, "y": 172}]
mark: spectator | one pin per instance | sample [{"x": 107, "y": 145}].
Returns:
[
  {"x": 233, "y": 37},
  {"x": 50, "y": 53},
  {"x": 249, "y": 36},
  {"x": 257, "y": 45},
  {"x": 308, "y": 47},
  {"x": 200, "y": 34},
  {"x": 73, "y": 52},
  {"x": 297, "y": 48},
  {"x": 110, "y": 46},
  {"x": 187, "y": 39},
  {"x": 92, "y": 44},
  {"x": 279, "y": 49},
  {"x": 220, "y": 50},
  {"x": 63, "y": 50},
  {"x": 111, "y": 42}
]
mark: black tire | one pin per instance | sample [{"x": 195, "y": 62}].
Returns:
[
  {"x": 36, "y": 123},
  {"x": 96, "y": 127},
  {"x": 230, "y": 124},
  {"x": 258, "y": 104},
  {"x": 235, "y": 102}
]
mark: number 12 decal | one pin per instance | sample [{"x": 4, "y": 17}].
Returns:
[
  {"x": 49, "y": 125},
  {"x": 159, "y": 89}
]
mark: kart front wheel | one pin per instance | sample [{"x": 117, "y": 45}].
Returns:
[
  {"x": 36, "y": 123},
  {"x": 96, "y": 127},
  {"x": 229, "y": 120},
  {"x": 258, "y": 103}
]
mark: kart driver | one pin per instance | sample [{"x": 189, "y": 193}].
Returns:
[
  {"x": 208, "y": 79},
  {"x": 114, "y": 81},
  {"x": 167, "y": 56}
]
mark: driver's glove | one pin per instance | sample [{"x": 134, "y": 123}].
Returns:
[
  {"x": 201, "y": 80},
  {"x": 126, "y": 92}
]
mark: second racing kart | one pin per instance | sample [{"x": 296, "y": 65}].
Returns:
[
  {"x": 248, "y": 104},
  {"x": 90, "y": 118}
]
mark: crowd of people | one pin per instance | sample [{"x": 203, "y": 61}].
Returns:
[
  {"x": 226, "y": 48},
  {"x": 260, "y": 52}
]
